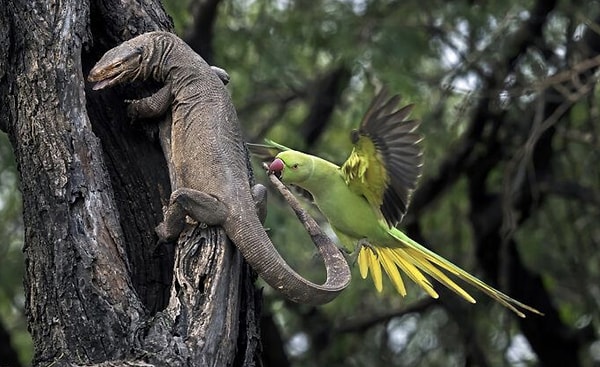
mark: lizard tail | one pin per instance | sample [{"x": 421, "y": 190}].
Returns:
[
  {"x": 263, "y": 257},
  {"x": 258, "y": 250}
]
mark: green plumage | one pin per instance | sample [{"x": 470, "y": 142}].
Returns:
[{"x": 368, "y": 195}]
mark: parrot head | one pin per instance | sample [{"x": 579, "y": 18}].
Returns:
[{"x": 292, "y": 167}]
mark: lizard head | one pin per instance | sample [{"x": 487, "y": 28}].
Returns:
[{"x": 118, "y": 65}]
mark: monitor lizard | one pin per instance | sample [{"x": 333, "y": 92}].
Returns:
[{"x": 207, "y": 158}]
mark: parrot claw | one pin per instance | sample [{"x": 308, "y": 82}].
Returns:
[
  {"x": 352, "y": 256},
  {"x": 363, "y": 242}
]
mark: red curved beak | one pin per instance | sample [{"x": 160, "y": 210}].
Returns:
[{"x": 276, "y": 166}]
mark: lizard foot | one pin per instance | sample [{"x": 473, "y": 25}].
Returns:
[
  {"x": 166, "y": 235},
  {"x": 132, "y": 110}
]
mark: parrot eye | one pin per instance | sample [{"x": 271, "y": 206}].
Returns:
[{"x": 295, "y": 166}]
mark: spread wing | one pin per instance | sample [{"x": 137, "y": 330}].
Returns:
[{"x": 386, "y": 160}]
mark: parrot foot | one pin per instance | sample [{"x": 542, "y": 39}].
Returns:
[
  {"x": 363, "y": 242},
  {"x": 352, "y": 256}
]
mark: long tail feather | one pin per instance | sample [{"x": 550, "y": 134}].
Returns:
[
  {"x": 392, "y": 271},
  {"x": 375, "y": 270},
  {"x": 414, "y": 260},
  {"x": 413, "y": 272}
]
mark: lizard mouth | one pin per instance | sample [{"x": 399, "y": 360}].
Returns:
[{"x": 101, "y": 84}]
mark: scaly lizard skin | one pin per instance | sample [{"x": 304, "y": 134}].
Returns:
[{"x": 207, "y": 157}]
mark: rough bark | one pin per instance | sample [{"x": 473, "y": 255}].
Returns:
[{"x": 98, "y": 291}]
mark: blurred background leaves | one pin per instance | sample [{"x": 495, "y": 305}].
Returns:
[{"x": 506, "y": 91}]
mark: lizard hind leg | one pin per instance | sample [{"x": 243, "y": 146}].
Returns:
[{"x": 199, "y": 206}]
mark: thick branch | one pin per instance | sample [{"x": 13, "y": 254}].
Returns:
[
  {"x": 93, "y": 187},
  {"x": 76, "y": 266},
  {"x": 200, "y": 36},
  {"x": 361, "y": 325},
  {"x": 325, "y": 97},
  {"x": 5, "y": 34}
]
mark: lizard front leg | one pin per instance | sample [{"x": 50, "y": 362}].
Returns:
[
  {"x": 259, "y": 194},
  {"x": 222, "y": 74},
  {"x": 198, "y": 205},
  {"x": 154, "y": 105}
]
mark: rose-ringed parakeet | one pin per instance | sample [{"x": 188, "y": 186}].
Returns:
[{"x": 367, "y": 196}]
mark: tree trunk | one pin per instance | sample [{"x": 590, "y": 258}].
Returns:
[{"x": 98, "y": 290}]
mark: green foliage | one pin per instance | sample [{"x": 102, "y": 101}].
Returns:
[
  {"x": 12, "y": 300},
  {"x": 441, "y": 56},
  {"x": 180, "y": 12},
  {"x": 435, "y": 55}
]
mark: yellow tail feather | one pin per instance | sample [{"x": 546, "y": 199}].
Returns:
[
  {"x": 392, "y": 271},
  {"x": 375, "y": 269},
  {"x": 401, "y": 261},
  {"x": 414, "y": 260}
]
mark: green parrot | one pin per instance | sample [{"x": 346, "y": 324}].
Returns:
[{"x": 366, "y": 198}]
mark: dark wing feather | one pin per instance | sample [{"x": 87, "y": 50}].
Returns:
[{"x": 397, "y": 149}]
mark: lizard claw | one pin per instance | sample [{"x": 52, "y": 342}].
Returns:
[
  {"x": 221, "y": 73},
  {"x": 132, "y": 111},
  {"x": 164, "y": 236},
  {"x": 352, "y": 256}
]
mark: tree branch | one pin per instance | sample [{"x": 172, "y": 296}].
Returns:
[
  {"x": 361, "y": 325},
  {"x": 93, "y": 188},
  {"x": 274, "y": 353},
  {"x": 493, "y": 216},
  {"x": 200, "y": 35},
  {"x": 5, "y": 34},
  {"x": 570, "y": 190},
  {"x": 454, "y": 166},
  {"x": 325, "y": 96}
]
